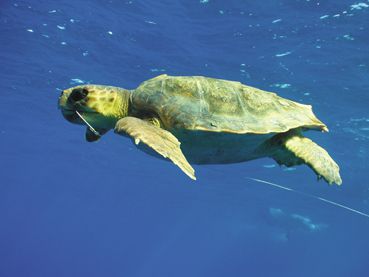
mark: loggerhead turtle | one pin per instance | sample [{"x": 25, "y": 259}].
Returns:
[{"x": 202, "y": 121}]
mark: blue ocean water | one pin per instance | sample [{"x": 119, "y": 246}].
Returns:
[{"x": 72, "y": 208}]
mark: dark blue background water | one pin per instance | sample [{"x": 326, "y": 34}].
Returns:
[{"x": 72, "y": 208}]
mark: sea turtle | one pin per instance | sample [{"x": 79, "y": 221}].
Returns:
[{"x": 202, "y": 121}]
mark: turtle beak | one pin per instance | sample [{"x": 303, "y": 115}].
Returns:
[
  {"x": 62, "y": 100},
  {"x": 68, "y": 110},
  {"x": 71, "y": 117}
]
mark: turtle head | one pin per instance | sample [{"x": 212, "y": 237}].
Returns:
[{"x": 98, "y": 107}]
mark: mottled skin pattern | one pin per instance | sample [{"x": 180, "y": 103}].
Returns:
[
  {"x": 102, "y": 107},
  {"x": 209, "y": 120}
]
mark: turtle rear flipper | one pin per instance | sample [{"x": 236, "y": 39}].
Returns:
[
  {"x": 294, "y": 149},
  {"x": 160, "y": 140}
]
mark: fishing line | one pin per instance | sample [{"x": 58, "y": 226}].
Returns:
[
  {"x": 88, "y": 124},
  {"x": 268, "y": 183},
  {"x": 311, "y": 196}
]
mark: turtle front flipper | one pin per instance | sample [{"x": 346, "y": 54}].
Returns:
[
  {"x": 156, "y": 138},
  {"x": 292, "y": 148}
]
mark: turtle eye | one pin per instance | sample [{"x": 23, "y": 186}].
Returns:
[{"x": 78, "y": 94}]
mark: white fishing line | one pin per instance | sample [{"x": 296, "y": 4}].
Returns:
[
  {"x": 269, "y": 183},
  {"x": 312, "y": 196},
  {"x": 88, "y": 124},
  {"x": 342, "y": 206}
]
